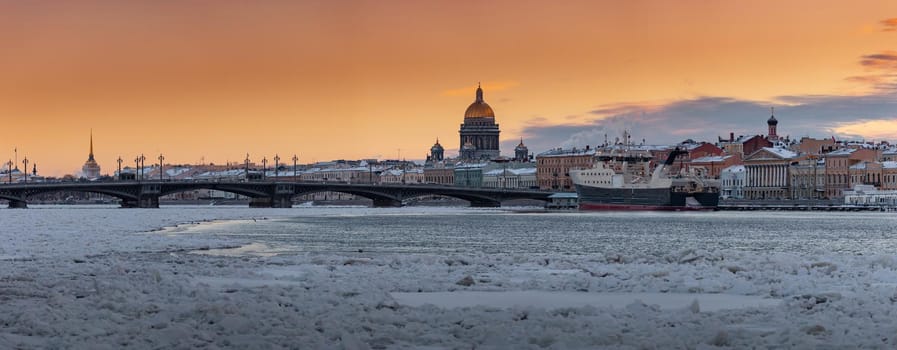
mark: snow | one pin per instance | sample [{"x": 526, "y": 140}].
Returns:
[
  {"x": 781, "y": 152},
  {"x": 196, "y": 277},
  {"x": 558, "y": 300}
]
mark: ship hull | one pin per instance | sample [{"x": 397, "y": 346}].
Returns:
[{"x": 598, "y": 198}]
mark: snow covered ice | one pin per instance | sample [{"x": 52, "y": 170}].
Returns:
[{"x": 361, "y": 278}]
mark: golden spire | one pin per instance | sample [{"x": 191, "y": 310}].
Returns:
[{"x": 90, "y": 157}]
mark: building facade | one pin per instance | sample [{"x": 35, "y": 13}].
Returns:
[
  {"x": 767, "y": 173},
  {"x": 808, "y": 178},
  {"x": 553, "y": 167},
  {"x": 732, "y": 182},
  {"x": 479, "y": 132},
  {"x": 838, "y": 171}
]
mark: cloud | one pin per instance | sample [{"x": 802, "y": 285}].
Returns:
[
  {"x": 885, "y": 60},
  {"x": 876, "y": 129},
  {"x": 883, "y": 68},
  {"x": 890, "y": 25},
  {"x": 706, "y": 118},
  {"x": 487, "y": 87}
]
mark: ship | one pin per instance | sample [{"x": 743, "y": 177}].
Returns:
[{"x": 622, "y": 180}]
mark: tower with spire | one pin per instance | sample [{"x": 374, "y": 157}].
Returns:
[
  {"x": 521, "y": 152},
  {"x": 772, "y": 123},
  {"x": 436, "y": 152},
  {"x": 91, "y": 170}
]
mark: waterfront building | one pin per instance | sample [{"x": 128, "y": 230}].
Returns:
[
  {"x": 868, "y": 195},
  {"x": 510, "y": 178},
  {"x": 888, "y": 175},
  {"x": 732, "y": 182},
  {"x": 837, "y": 168},
  {"x": 439, "y": 174},
  {"x": 553, "y": 166},
  {"x": 479, "y": 132},
  {"x": 399, "y": 176},
  {"x": 90, "y": 170},
  {"x": 712, "y": 166},
  {"x": 469, "y": 175},
  {"x": 808, "y": 178},
  {"x": 767, "y": 175}
]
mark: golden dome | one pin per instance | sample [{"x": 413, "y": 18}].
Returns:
[{"x": 479, "y": 108}]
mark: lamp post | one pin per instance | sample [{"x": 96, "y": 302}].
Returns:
[
  {"x": 119, "y": 167},
  {"x": 142, "y": 165},
  {"x": 246, "y": 166},
  {"x": 9, "y": 169},
  {"x": 136, "y": 168},
  {"x": 295, "y": 161},
  {"x": 264, "y": 167},
  {"x": 276, "y": 160},
  {"x": 25, "y": 161},
  {"x": 161, "y": 158}
]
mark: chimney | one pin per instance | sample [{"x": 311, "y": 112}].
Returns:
[{"x": 731, "y": 137}]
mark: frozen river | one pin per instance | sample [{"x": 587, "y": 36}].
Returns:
[{"x": 355, "y": 278}]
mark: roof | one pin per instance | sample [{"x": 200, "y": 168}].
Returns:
[
  {"x": 778, "y": 152},
  {"x": 711, "y": 159},
  {"x": 841, "y": 152},
  {"x": 734, "y": 169},
  {"x": 561, "y": 152}
]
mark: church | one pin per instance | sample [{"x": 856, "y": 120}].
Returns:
[{"x": 479, "y": 132}]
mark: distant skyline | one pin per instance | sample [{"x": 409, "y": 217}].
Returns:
[{"x": 214, "y": 80}]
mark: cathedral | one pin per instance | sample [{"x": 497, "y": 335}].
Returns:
[
  {"x": 91, "y": 169},
  {"x": 479, "y": 132}
]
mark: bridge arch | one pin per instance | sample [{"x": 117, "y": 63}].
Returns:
[
  {"x": 380, "y": 199},
  {"x": 109, "y": 192},
  {"x": 250, "y": 192}
]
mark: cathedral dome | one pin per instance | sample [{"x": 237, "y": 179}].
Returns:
[
  {"x": 479, "y": 108},
  {"x": 772, "y": 121}
]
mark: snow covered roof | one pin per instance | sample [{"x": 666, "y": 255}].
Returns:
[
  {"x": 889, "y": 165},
  {"x": 521, "y": 171},
  {"x": 734, "y": 169},
  {"x": 560, "y": 152},
  {"x": 710, "y": 159},
  {"x": 781, "y": 152},
  {"x": 841, "y": 152}
]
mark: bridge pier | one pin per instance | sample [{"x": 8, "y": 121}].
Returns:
[
  {"x": 142, "y": 202},
  {"x": 485, "y": 204},
  {"x": 387, "y": 203},
  {"x": 14, "y": 204},
  {"x": 271, "y": 202}
]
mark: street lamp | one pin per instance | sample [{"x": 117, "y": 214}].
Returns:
[
  {"x": 136, "y": 168},
  {"x": 119, "y": 167},
  {"x": 25, "y": 161},
  {"x": 295, "y": 160},
  {"x": 161, "y": 158},
  {"x": 246, "y": 166},
  {"x": 9, "y": 165},
  {"x": 142, "y": 165},
  {"x": 264, "y": 167},
  {"x": 276, "y": 160}
]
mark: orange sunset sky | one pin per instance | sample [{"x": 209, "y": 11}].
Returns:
[{"x": 214, "y": 80}]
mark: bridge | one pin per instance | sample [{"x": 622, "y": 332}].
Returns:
[{"x": 146, "y": 194}]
